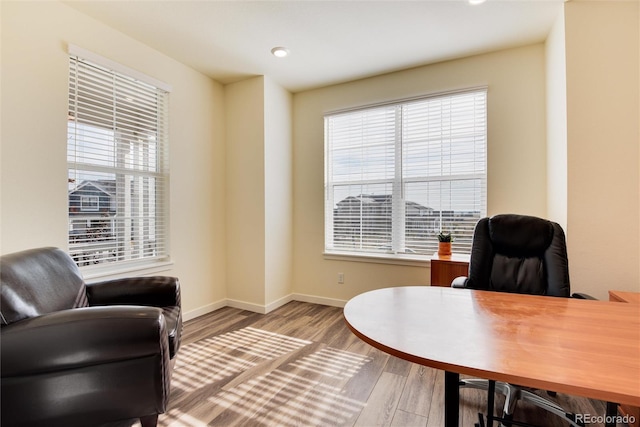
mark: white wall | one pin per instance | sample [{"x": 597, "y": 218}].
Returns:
[
  {"x": 516, "y": 156},
  {"x": 603, "y": 145},
  {"x": 33, "y": 172},
  {"x": 245, "y": 201},
  {"x": 259, "y": 195},
  {"x": 278, "y": 188},
  {"x": 556, "y": 103}
]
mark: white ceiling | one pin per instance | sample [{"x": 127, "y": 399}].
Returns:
[{"x": 330, "y": 41}]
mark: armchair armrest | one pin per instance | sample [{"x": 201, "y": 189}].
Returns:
[
  {"x": 156, "y": 291},
  {"x": 459, "y": 282},
  {"x": 82, "y": 337}
]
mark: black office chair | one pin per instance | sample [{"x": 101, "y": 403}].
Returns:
[{"x": 520, "y": 254}]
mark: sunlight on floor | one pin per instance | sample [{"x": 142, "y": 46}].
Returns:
[
  {"x": 333, "y": 363},
  {"x": 286, "y": 399},
  {"x": 212, "y": 359},
  {"x": 306, "y": 390},
  {"x": 175, "y": 418}
]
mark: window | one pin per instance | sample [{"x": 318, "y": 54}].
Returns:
[
  {"x": 398, "y": 174},
  {"x": 117, "y": 163},
  {"x": 89, "y": 203}
]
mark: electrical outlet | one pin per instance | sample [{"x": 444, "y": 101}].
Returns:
[{"x": 340, "y": 277}]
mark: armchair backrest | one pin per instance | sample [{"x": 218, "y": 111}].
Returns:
[
  {"x": 39, "y": 281},
  {"x": 519, "y": 253}
]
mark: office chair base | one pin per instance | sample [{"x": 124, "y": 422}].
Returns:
[
  {"x": 488, "y": 422},
  {"x": 514, "y": 393}
]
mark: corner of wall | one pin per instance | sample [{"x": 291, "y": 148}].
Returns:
[{"x": 556, "y": 117}]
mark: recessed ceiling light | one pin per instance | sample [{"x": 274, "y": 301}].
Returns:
[
  {"x": 474, "y": 2},
  {"x": 280, "y": 52}
]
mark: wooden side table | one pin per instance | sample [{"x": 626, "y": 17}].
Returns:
[
  {"x": 446, "y": 268},
  {"x": 631, "y": 298},
  {"x": 625, "y": 296}
]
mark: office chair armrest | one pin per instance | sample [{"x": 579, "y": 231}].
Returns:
[
  {"x": 155, "y": 291},
  {"x": 459, "y": 282},
  {"x": 81, "y": 337},
  {"x": 579, "y": 295}
]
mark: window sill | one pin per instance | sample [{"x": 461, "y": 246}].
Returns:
[
  {"x": 98, "y": 274},
  {"x": 408, "y": 260}
]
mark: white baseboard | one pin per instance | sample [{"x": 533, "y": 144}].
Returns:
[
  {"x": 332, "y": 302},
  {"x": 261, "y": 309},
  {"x": 279, "y": 303},
  {"x": 201, "y": 311},
  {"x": 249, "y": 306}
]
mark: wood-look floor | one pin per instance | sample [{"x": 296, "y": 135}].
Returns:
[{"x": 300, "y": 366}]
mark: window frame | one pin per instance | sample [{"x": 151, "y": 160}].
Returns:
[
  {"x": 152, "y": 179},
  {"x": 396, "y": 254}
]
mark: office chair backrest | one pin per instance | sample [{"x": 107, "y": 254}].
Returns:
[{"x": 521, "y": 254}]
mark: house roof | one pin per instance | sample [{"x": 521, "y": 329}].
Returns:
[
  {"x": 107, "y": 186},
  {"x": 330, "y": 41},
  {"x": 379, "y": 198}
]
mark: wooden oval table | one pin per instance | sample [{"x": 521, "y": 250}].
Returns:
[{"x": 579, "y": 347}]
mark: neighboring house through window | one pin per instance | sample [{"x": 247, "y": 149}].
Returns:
[
  {"x": 398, "y": 174},
  {"x": 117, "y": 162}
]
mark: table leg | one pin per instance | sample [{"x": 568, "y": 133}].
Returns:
[
  {"x": 612, "y": 411},
  {"x": 451, "y": 399},
  {"x": 491, "y": 402}
]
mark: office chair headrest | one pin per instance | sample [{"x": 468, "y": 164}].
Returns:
[{"x": 520, "y": 235}]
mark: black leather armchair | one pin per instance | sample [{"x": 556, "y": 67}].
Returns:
[
  {"x": 74, "y": 354},
  {"x": 521, "y": 254}
]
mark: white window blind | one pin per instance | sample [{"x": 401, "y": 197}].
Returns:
[
  {"x": 118, "y": 166},
  {"x": 396, "y": 175}
]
